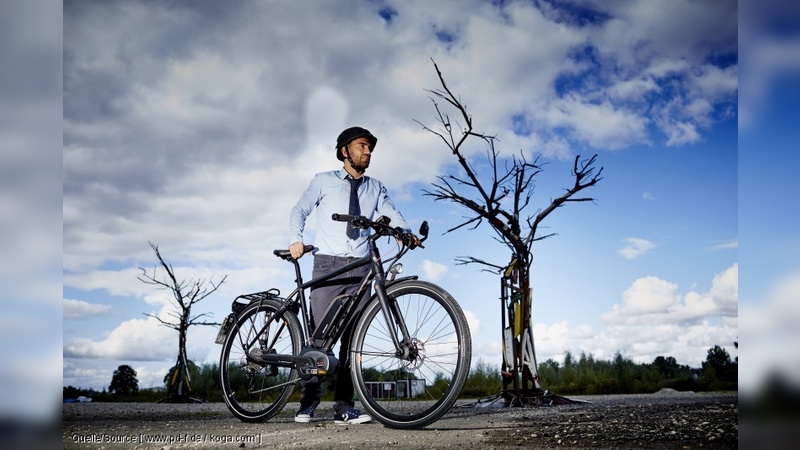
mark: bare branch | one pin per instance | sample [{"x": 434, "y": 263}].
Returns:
[
  {"x": 581, "y": 171},
  {"x": 166, "y": 324},
  {"x": 466, "y": 260},
  {"x": 507, "y": 192},
  {"x": 476, "y": 220},
  {"x": 195, "y": 320}
]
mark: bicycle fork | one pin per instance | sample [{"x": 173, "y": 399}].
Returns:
[{"x": 403, "y": 349}]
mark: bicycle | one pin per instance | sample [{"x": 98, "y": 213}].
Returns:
[{"x": 410, "y": 347}]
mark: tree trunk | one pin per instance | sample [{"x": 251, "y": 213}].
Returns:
[
  {"x": 179, "y": 388},
  {"x": 520, "y": 373}
]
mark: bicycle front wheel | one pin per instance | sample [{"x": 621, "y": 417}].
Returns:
[
  {"x": 415, "y": 390},
  {"x": 255, "y": 392}
]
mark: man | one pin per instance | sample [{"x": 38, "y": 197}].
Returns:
[{"x": 343, "y": 191}]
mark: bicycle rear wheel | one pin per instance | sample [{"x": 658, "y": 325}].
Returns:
[
  {"x": 256, "y": 392},
  {"x": 415, "y": 391}
]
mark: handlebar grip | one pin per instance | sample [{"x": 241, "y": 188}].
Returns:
[{"x": 342, "y": 217}]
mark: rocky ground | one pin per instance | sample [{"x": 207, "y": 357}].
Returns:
[{"x": 664, "y": 420}]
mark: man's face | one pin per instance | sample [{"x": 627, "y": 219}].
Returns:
[{"x": 360, "y": 151}]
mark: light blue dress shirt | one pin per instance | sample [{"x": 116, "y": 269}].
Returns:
[{"x": 329, "y": 193}]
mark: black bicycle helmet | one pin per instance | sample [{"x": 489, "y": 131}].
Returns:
[{"x": 350, "y": 134}]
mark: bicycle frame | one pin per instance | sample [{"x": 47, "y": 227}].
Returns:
[
  {"x": 410, "y": 334},
  {"x": 376, "y": 274}
]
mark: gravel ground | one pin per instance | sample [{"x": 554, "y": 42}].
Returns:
[{"x": 665, "y": 420}]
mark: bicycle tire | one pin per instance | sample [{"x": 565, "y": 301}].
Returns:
[
  {"x": 254, "y": 392},
  {"x": 424, "y": 388}
]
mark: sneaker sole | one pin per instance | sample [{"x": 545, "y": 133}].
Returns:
[{"x": 354, "y": 421}]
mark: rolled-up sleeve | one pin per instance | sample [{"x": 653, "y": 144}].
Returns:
[
  {"x": 385, "y": 207},
  {"x": 308, "y": 201}
]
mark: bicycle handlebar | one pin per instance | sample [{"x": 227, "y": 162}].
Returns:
[
  {"x": 357, "y": 220},
  {"x": 381, "y": 227},
  {"x": 361, "y": 221}
]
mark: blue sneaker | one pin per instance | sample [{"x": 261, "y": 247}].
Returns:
[
  {"x": 350, "y": 416},
  {"x": 304, "y": 415}
]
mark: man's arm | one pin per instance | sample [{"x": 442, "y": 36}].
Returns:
[
  {"x": 385, "y": 207},
  {"x": 297, "y": 218}
]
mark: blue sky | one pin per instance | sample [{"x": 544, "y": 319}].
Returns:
[{"x": 196, "y": 127}]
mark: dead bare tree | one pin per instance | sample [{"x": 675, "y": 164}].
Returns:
[
  {"x": 185, "y": 294},
  {"x": 500, "y": 197}
]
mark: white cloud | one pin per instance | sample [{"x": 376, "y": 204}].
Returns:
[
  {"x": 681, "y": 133},
  {"x": 647, "y": 67},
  {"x": 121, "y": 282},
  {"x": 432, "y": 270},
  {"x": 635, "y": 248},
  {"x": 725, "y": 292},
  {"x": 633, "y": 90},
  {"x": 553, "y": 340},
  {"x": 79, "y": 309},
  {"x": 474, "y": 322},
  {"x": 601, "y": 125},
  {"x": 653, "y": 301},
  {"x": 654, "y": 320},
  {"x": 646, "y": 296},
  {"x": 132, "y": 340}
]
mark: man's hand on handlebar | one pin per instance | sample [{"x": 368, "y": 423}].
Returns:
[
  {"x": 410, "y": 240},
  {"x": 297, "y": 250}
]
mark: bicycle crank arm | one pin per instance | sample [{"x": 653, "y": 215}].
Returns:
[{"x": 280, "y": 360}]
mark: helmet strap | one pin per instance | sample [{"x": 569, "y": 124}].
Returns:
[{"x": 358, "y": 168}]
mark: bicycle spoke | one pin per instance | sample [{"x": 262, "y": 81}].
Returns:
[{"x": 256, "y": 391}]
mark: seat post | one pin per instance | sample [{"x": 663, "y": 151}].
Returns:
[{"x": 298, "y": 275}]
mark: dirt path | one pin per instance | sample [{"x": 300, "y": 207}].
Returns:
[{"x": 663, "y": 420}]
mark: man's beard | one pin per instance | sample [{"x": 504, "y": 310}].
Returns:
[{"x": 360, "y": 168}]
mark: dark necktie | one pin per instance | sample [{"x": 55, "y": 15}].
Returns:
[{"x": 355, "y": 208}]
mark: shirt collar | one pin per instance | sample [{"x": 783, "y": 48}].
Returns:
[{"x": 343, "y": 175}]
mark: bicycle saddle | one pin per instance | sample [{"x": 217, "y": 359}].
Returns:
[{"x": 285, "y": 254}]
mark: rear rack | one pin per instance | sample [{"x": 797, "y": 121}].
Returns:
[{"x": 238, "y": 305}]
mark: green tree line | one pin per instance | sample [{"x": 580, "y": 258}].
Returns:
[{"x": 584, "y": 375}]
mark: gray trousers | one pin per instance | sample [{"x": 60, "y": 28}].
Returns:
[{"x": 320, "y": 298}]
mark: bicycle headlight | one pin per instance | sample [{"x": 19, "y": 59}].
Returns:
[{"x": 395, "y": 270}]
